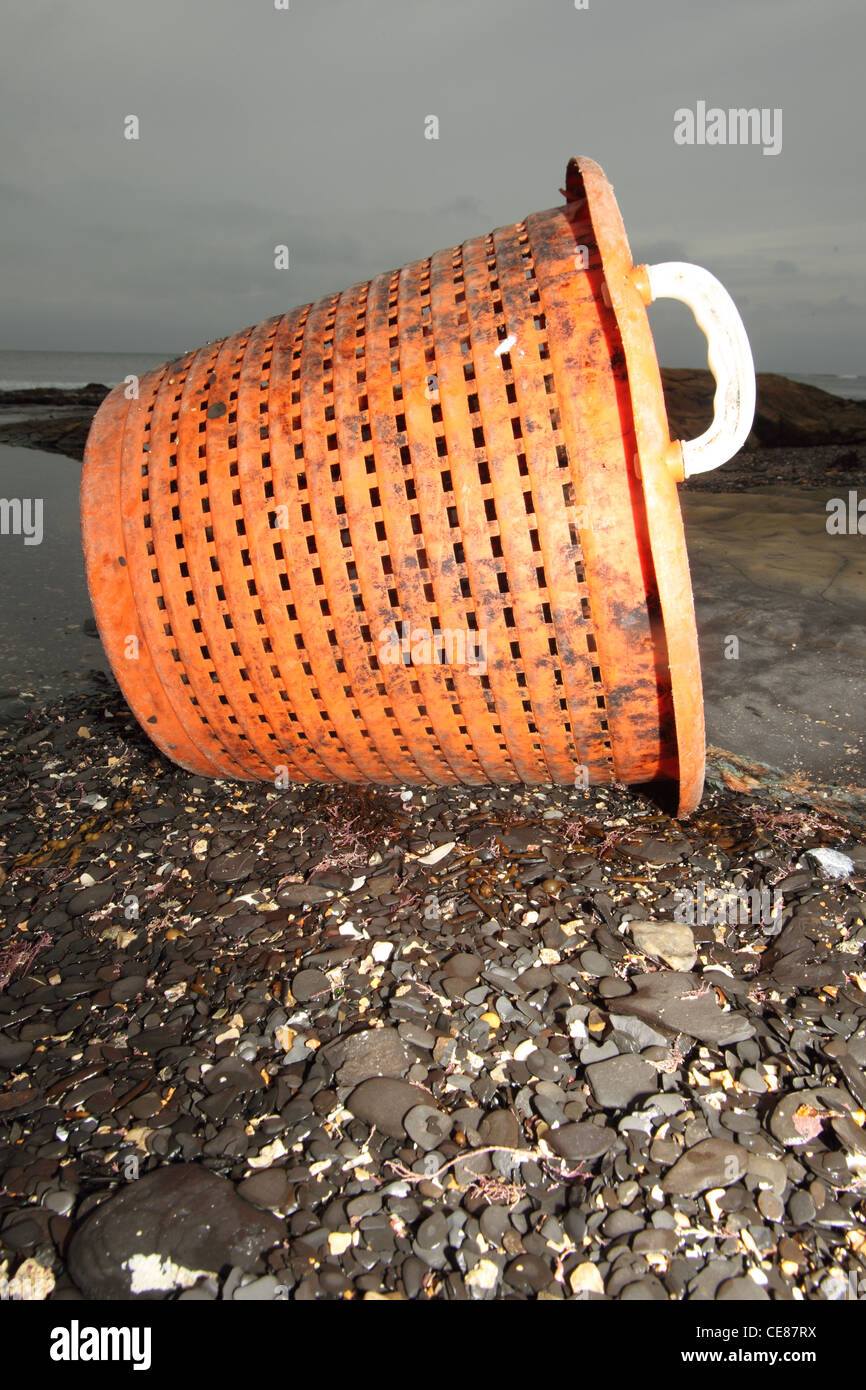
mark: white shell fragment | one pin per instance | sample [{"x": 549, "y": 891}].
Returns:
[{"x": 834, "y": 863}]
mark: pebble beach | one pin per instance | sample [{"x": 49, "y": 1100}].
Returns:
[{"x": 459, "y": 1043}]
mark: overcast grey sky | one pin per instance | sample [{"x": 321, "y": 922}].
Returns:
[{"x": 305, "y": 126}]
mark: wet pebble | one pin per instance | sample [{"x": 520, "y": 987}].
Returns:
[
  {"x": 707, "y": 1164},
  {"x": 581, "y": 1142},
  {"x": 426, "y": 1126},
  {"x": 154, "y": 1235},
  {"x": 385, "y": 1103},
  {"x": 231, "y": 868},
  {"x": 372, "y": 1052},
  {"x": 616, "y": 1082},
  {"x": 308, "y": 985},
  {"x": 682, "y": 1003}
]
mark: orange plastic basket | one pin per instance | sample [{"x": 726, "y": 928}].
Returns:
[{"x": 423, "y": 531}]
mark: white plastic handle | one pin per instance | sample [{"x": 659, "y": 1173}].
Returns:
[{"x": 728, "y": 354}]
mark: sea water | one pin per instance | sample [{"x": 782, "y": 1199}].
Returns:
[
  {"x": 19, "y": 370},
  {"x": 70, "y": 369}
]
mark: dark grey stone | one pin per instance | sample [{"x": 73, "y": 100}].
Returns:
[
  {"x": 679, "y": 1001},
  {"x": 708, "y": 1164},
  {"x": 181, "y": 1213},
  {"x": 311, "y": 986},
  {"x": 385, "y": 1101},
  {"x": 373, "y": 1052},
  {"x": 615, "y": 1083},
  {"x": 581, "y": 1142}
]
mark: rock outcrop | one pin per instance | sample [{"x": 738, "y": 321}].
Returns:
[{"x": 788, "y": 414}]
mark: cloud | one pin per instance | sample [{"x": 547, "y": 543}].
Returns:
[{"x": 306, "y": 127}]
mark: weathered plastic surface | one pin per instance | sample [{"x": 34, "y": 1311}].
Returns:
[{"x": 473, "y": 444}]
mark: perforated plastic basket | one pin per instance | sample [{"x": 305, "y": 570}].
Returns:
[{"x": 423, "y": 531}]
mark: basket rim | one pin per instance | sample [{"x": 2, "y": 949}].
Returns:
[{"x": 657, "y": 477}]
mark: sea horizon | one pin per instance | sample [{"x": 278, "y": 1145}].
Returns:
[{"x": 30, "y": 368}]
